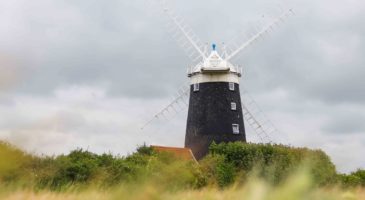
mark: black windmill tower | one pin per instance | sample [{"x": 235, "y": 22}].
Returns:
[{"x": 216, "y": 111}]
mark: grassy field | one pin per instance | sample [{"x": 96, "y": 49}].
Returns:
[
  {"x": 230, "y": 171},
  {"x": 299, "y": 186}
]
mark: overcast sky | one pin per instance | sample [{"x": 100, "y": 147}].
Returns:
[{"x": 87, "y": 73}]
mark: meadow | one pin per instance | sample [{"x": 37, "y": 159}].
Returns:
[{"x": 230, "y": 171}]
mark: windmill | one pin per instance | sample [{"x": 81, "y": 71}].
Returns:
[{"x": 216, "y": 108}]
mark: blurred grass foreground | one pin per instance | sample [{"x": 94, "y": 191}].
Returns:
[{"x": 230, "y": 171}]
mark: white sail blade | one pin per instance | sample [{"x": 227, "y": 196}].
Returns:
[
  {"x": 257, "y": 120},
  {"x": 255, "y": 125},
  {"x": 260, "y": 33},
  {"x": 178, "y": 104},
  {"x": 184, "y": 35}
]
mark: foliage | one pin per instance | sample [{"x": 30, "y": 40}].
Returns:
[
  {"x": 83, "y": 168},
  {"x": 14, "y": 163},
  {"x": 353, "y": 179},
  {"x": 226, "y": 164},
  {"x": 275, "y": 162},
  {"x": 361, "y": 174},
  {"x": 217, "y": 171}
]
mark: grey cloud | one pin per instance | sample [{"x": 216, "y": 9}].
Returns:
[
  {"x": 125, "y": 42},
  {"x": 300, "y": 68},
  {"x": 99, "y": 42},
  {"x": 346, "y": 123}
]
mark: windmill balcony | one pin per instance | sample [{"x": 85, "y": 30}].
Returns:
[{"x": 192, "y": 70}]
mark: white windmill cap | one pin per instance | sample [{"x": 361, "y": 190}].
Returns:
[{"x": 215, "y": 63}]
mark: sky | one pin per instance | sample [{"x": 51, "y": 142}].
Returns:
[{"x": 88, "y": 73}]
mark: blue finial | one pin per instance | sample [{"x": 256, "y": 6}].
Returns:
[{"x": 214, "y": 46}]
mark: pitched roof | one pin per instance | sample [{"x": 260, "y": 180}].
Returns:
[{"x": 179, "y": 152}]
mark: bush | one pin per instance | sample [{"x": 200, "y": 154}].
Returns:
[
  {"x": 354, "y": 179},
  {"x": 217, "y": 171},
  {"x": 13, "y": 163},
  {"x": 275, "y": 162},
  {"x": 361, "y": 175},
  {"x": 78, "y": 167}
]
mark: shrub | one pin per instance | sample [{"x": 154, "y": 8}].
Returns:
[
  {"x": 13, "y": 163},
  {"x": 217, "y": 171},
  {"x": 275, "y": 162},
  {"x": 354, "y": 179}
]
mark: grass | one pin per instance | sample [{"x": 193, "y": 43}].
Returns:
[{"x": 298, "y": 186}]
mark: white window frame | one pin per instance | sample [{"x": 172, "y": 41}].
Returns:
[
  {"x": 236, "y": 129},
  {"x": 196, "y": 87},
  {"x": 233, "y": 106},
  {"x": 231, "y": 86}
]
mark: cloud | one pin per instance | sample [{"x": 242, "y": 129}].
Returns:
[
  {"x": 11, "y": 72},
  {"x": 348, "y": 121},
  {"x": 82, "y": 116}
]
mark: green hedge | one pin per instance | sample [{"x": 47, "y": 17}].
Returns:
[
  {"x": 225, "y": 164},
  {"x": 273, "y": 162},
  {"x": 353, "y": 179}
]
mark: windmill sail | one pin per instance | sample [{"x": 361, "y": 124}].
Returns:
[
  {"x": 178, "y": 104},
  {"x": 184, "y": 35},
  {"x": 235, "y": 51},
  {"x": 257, "y": 120}
]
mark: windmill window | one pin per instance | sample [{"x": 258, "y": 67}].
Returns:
[
  {"x": 231, "y": 86},
  {"x": 196, "y": 87},
  {"x": 236, "y": 129},
  {"x": 233, "y": 106}
]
